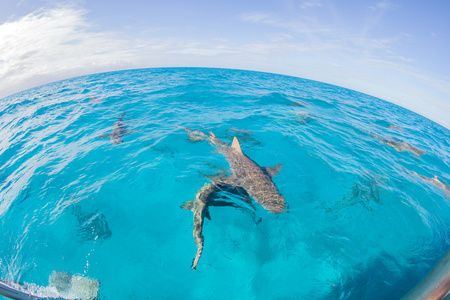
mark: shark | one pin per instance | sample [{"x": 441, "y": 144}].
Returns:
[
  {"x": 247, "y": 174},
  {"x": 118, "y": 131},
  {"x": 400, "y": 146},
  {"x": 436, "y": 182},
  {"x": 395, "y": 127},
  {"x": 194, "y": 136},
  {"x": 200, "y": 208}
]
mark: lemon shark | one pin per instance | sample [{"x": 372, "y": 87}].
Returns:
[
  {"x": 118, "y": 131},
  {"x": 400, "y": 146},
  {"x": 200, "y": 208},
  {"x": 246, "y": 173},
  {"x": 436, "y": 182}
]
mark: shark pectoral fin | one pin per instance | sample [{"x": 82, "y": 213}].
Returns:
[
  {"x": 235, "y": 145},
  {"x": 188, "y": 205},
  {"x": 272, "y": 171}
]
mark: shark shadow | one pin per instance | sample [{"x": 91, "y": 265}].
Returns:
[{"x": 91, "y": 226}]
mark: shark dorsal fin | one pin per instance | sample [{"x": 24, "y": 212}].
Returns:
[
  {"x": 212, "y": 134},
  {"x": 236, "y": 145}
]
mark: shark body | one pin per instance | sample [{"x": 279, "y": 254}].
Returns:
[
  {"x": 246, "y": 173},
  {"x": 436, "y": 182},
  {"x": 400, "y": 146},
  {"x": 118, "y": 131},
  {"x": 200, "y": 208}
]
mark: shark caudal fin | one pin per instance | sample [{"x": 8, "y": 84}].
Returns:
[
  {"x": 236, "y": 145},
  {"x": 188, "y": 205}
]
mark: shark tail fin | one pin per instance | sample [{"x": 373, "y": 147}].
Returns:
[
  {"x": 236, "y": 145},
  {"x": 121, "y": 117},
  {"x": 188, "y": 205}
]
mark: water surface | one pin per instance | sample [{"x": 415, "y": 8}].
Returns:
[{"x": 360, "y": 224}]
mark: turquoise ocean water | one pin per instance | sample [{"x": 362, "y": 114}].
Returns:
[{"x": 360, "y": 225}]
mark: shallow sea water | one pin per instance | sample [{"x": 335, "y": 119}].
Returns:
[{"x": 360, "y": 225}]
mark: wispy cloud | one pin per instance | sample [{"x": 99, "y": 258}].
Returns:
[
  {"x": 310, "y": 4},
  {"x": 309, "y": 31},
  {"x": 384, "y": 6},
  {"x": 380, "y": 8},
  {"x": 55, "y": 41},
  {"x": 279, "y": 37},
  {"x": 258, "y": 18}
]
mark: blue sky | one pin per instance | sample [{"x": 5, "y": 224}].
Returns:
[{"x": 394, "y": 50}]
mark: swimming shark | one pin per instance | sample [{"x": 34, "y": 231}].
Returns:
[
  {"x": 395, "y": 127},
  {"x": 436, "y": 182},
  {"x": 400, "y": 146},
  {"x": 200, "y": 208},
  {"x": 246, "y": 173},
  {"x": 194, "y": 136},
  {"x": 118, "y": 131}
]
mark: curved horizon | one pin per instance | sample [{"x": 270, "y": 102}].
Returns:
[{"x": 373, "y": 47}]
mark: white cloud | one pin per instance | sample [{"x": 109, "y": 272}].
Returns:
[
  {"x": 279, "y": 37},
  {"x": 309, "y": 4},
  {"x": 55, "y": 41},
  {"x": 258, "y": 18},
  {"x": 380, "y": 8},
  {"x": 384, "y": 6}
]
